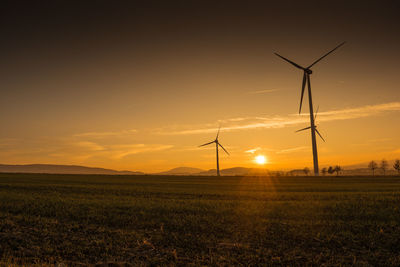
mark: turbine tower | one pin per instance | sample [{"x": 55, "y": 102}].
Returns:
[
  {"x": 306, "y": 79},
  {"x": 216, "y": 145}
]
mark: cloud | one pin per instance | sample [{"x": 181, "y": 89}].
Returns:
[
  {"x": 59, "y": 150},
  {"x": 105, "y": 134},
  {"x": 252, "y": 151},
  {"x": 121, "y": 151},
  {"x": 253, "y": 123},
  {"x": 288, "y": 120},
  {"x": 115, "y": 152},
  {"x": 354, "y": 113},
  {"x": 396, "y": 151},
  {"x": 263, "y": 91},
  {"x": 4, "y": 142},
  {"x": 90, "y": 146},
  {"x": 291, "y": 150}
]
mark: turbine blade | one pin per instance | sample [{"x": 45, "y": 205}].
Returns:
[
  {"x": 320, "y": 135},
  {"x": 223, "y": 148},
  {"x": 316, "y": 113},
  {"x": 303, "y": 129},
  {"x": 218, "y": 132},
  {"x": 291, "y": 62},
  {"x": 302, "y": 91},
  {"x": 207, "y": 144},
  {"x": 318, "y": 60}
]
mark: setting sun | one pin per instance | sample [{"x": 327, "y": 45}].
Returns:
[{"x": 260, "y": 159}]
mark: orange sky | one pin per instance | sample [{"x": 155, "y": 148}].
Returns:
[{"x": 141, "y": 92}]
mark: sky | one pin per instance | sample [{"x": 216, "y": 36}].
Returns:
[{"x": 139, "y": 85}]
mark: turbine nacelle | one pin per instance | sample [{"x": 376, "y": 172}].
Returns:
[{"x": 307, "y": 70}]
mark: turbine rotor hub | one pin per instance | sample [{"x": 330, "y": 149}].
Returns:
[{"x": 308, "y": 71}]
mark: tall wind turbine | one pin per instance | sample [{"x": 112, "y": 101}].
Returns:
[
  {"x": 216, "y": 145},
  {"x": 306, "y": 79}
]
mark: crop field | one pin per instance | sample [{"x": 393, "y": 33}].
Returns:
[{"x": 77, "y": 220}]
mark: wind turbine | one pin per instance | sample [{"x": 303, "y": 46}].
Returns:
[
  {"x": 216, "y": 145},
  {"x": 306, "y": 79}
]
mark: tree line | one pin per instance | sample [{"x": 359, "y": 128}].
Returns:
[
  {"x": 324, "y": 171},
  {"x": 373, "y": 166},
  {"x": 383, "y": 165}
]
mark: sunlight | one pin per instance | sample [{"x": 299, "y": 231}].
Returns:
[{"x": 260, "y": 159}]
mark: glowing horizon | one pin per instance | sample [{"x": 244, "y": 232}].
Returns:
[{"x": 82, "y": 147}]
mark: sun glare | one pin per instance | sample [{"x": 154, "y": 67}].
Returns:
[{"x": 260, "y": 159}]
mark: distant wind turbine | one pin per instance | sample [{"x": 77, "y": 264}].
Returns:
[
  {"x": 216, "y": 145},
  {"x": 306, "y": 79},
  {"x": 309, "y": 127}
]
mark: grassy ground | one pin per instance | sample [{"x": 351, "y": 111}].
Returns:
[{"x": 149, "y": 220}]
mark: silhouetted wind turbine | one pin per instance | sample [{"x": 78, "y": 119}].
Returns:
[
  {"x": 306, "y": 79},
  {"x": 216, "y": 145}
]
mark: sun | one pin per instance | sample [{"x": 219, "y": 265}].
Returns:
[{"x": 260, "y": 159}]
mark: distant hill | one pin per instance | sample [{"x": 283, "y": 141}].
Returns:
[
  {"x": 236, "y": 171},
  {"x": 61, "y": 169},
  {"x": 181, "y": 171}
]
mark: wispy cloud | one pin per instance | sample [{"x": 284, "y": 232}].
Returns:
[
  {"x": 119, "y": 151},
  {"x": 288, "y": 120},
  {"x": 396, "y": 151},
  {"x": 90, "y": 146},
  {"x": 252, "y": 151},
  {"x": 291, "y": 150},
  {"x": 126, "y": 150},
  {"x": 8, "y": 142},
  {"x": 58, "y": 150},
  {"x": 106, "y": 134},
  {"x": 354, "y": 113},
  {"x": 263, "y": 91}
]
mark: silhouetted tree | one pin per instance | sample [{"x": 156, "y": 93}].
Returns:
[
  {"x": 337, "y": 169},
  {"x": 384, "y": 166},
  {"x": 306, "y": 170},
  {"x": 323, "y": 171},
  {"x": 396, "y": 165},
  {"x": 373, "y": 166},
  {"x": 331, "y": 170}
]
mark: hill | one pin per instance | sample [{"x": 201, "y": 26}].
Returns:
[
  {"x": 181, "y": 171},
  {"x": 61, "y": 169}
]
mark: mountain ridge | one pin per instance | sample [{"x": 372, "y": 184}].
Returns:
[
  {"x": 61, "y": 169},
  {"x": 189, "y": 171},
  {"x": 180, "y": 171}
]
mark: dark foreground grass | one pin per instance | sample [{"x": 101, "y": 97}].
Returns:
[{"x": 149, "y": 220}]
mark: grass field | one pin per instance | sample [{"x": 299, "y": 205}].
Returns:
[{"x": 149, "y": 220}]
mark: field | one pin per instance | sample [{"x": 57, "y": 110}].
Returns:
[{"x": 75, "y": 220}]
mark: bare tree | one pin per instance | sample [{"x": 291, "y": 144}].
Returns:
[
  {"x": 396, "y": 165},
  {"x": 384, "y": 166},
  {"x": 373, "y": 166},
  {"x": 323, "y": 171},
  {"x": 337, "y": 169},
  {"x": 306, "y": 170}
]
